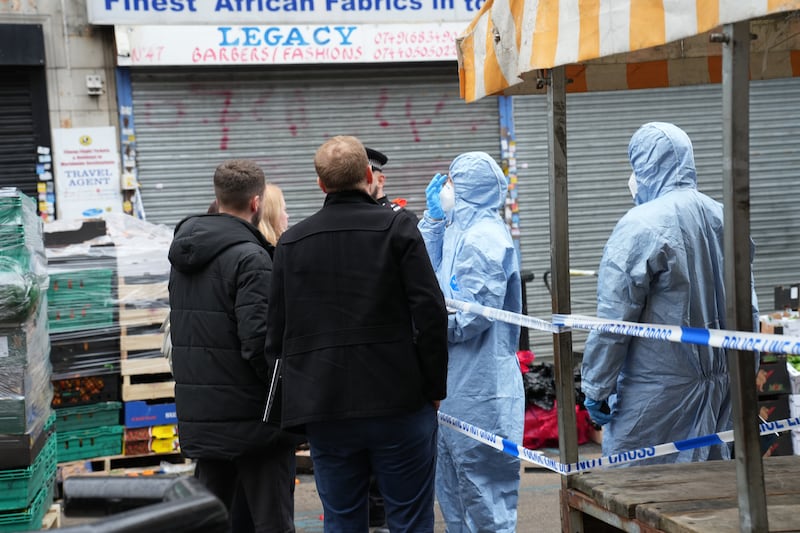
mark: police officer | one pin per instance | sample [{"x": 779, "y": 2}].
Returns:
[
  {"x": 377, "y": 160},
  {"x": 377, "y": 513}
]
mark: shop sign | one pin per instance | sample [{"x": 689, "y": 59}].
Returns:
[
  {"x": 245, "y": 12},
  {"x": 268, "y": 44},
  {"x": 87, "y": 175}
]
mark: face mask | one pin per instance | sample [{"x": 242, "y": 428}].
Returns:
[
  {"x": 447, "y": 197},
  {"x": 633, "y": 186}
]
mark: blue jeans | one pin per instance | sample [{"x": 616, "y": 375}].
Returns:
[{"x": 400, "y": 451}]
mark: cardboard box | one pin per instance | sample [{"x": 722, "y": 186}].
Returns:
[
  {"x": 786, "y": 296},
  {"x": 777, "y": 408},
  {"x": 144, "y": 413},
  {"x": 782, "y": 446},
  {"x": 171, "y": 445},
  {"x": 794, "y": 407},
  {"x": 774, "y": 408},
  {"x": 773, "y": 378},
  {"x": 794, "y": 378},
  {"x": 152, "y": 432}
]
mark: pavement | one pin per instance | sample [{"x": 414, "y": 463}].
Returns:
[{"x": 537, "y": 510}]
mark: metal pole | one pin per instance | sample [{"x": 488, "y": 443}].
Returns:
[
  {"x": 736, "y": 189},
  {"x": 559, "y": 270}
]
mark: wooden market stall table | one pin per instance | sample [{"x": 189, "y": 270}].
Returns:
[{"x": 683, "y": 498}]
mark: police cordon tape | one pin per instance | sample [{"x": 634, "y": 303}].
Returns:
[
  {"x": 717, "y": 338},
  {"x": 504, "y": 316},
  {"x": 538, "y": 458}
]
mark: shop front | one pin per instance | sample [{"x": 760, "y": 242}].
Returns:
[{"x": 270, "y": 81}]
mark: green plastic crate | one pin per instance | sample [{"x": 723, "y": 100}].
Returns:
[
  {"x": 30, "y": 519},
  {"x": 83, "y": 315},
  {"x": 12, "y": 210},
  {"x": 88, "y": 416},
  {"x": 16, "y": 208},
  {"x": 89, "y": 443},
  {"x": 76, "y": 285},
  {"x": 81, "y": 299},
  {"x": 19, "y": 486}
]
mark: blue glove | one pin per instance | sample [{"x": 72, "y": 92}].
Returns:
[
  {"x": 432, "y": 196},
  {"x": 598, "y": 411}
]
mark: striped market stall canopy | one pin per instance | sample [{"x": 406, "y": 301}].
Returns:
[{"x": 619, "y": 44}]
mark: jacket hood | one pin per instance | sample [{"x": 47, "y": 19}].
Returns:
[
  {"x": 662, "y": 158},
  {"x": 199, "y": 239},
  {"x": 478, "y": 182}
]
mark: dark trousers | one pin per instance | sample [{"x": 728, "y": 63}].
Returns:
[
  {"x": 265, "y": 480},
  {"x": 400, "y": 451}
]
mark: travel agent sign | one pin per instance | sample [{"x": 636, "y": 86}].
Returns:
[
  {"x": 240, "y": 12},
  {"x": 87, "y": 176}
]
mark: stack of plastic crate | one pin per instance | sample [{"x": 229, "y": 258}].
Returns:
[
  {"x": 83, "y": 331},
  {"x": 110, "y": 284},
  {"x": 84, "y": 338},
  {"x": 89, "y": 431},
  {"x": 27, "y": 442},
  {"x": 85, "y": 356}
]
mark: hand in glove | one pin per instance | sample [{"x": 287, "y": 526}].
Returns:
[
  {"x": 432, "y": 196},
  {"x": 598, "y": 411}
]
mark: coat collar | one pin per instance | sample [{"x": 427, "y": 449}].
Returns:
[{"x": 349, "y": 197}]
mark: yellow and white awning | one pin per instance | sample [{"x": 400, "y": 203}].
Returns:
[{"x": 510, "y": 40}]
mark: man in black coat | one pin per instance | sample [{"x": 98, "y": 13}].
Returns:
[
  {"x": 218, "y": 293},
  {"x": 359, "y": 322}
]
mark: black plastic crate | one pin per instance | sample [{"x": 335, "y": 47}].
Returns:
[
  {"x": 85, "y": 352},
  {"x": 83, "y": 390}
]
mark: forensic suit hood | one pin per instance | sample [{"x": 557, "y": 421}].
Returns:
[
  {"x": 475, "y": 261},
  {"x": 663, "y": 264}
]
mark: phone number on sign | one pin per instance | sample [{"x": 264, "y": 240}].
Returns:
[
  {"x": 415, "y": 37},
  {"x": 415, "y": 52}
]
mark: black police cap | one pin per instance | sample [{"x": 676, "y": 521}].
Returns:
[{"x": 376, "y": 159}]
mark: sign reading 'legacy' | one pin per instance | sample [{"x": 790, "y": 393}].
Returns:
[
  {"x": 169, "y": 12},
  {"x": 264, "y": 45}
]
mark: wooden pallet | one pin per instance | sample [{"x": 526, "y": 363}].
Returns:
[
  {"x": 52, "y": 518},
  {"x": 131, "y": 317},
  {"x": 146, "y": 378},
  {"x": 121, "y": 464},
  {"x": 135, "y": 384}
]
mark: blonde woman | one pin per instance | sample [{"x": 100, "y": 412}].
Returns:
[{"x": 274, "y": 219}]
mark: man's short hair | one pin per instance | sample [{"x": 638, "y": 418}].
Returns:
[
  {"x": 236, "y": 181},
  {"x": 341, "y": 163}
]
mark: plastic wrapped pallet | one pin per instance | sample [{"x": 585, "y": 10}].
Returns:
[
  {"x": 111, "y": 287},
  {"x": 25, "y": 397},
  {"x": 21, "y": 236},
  {"x": 25, "y": 390}
]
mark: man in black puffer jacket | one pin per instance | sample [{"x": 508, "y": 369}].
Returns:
[{"x": 218, "y": 290}]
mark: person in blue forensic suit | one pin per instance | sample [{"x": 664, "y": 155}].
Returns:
[
  {"x": 475, "y": 261},
  {"x": 663, "y": 264}
]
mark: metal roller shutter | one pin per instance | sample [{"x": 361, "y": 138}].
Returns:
[
  {"x": 189, "y": 120},
  {"x": 599, "y": 126},
  {"x": 20, "y": 132}
]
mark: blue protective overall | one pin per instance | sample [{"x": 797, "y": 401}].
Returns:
[
  {"x": 663, "y": 264},
  {"x": 475, "y": 261}
]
